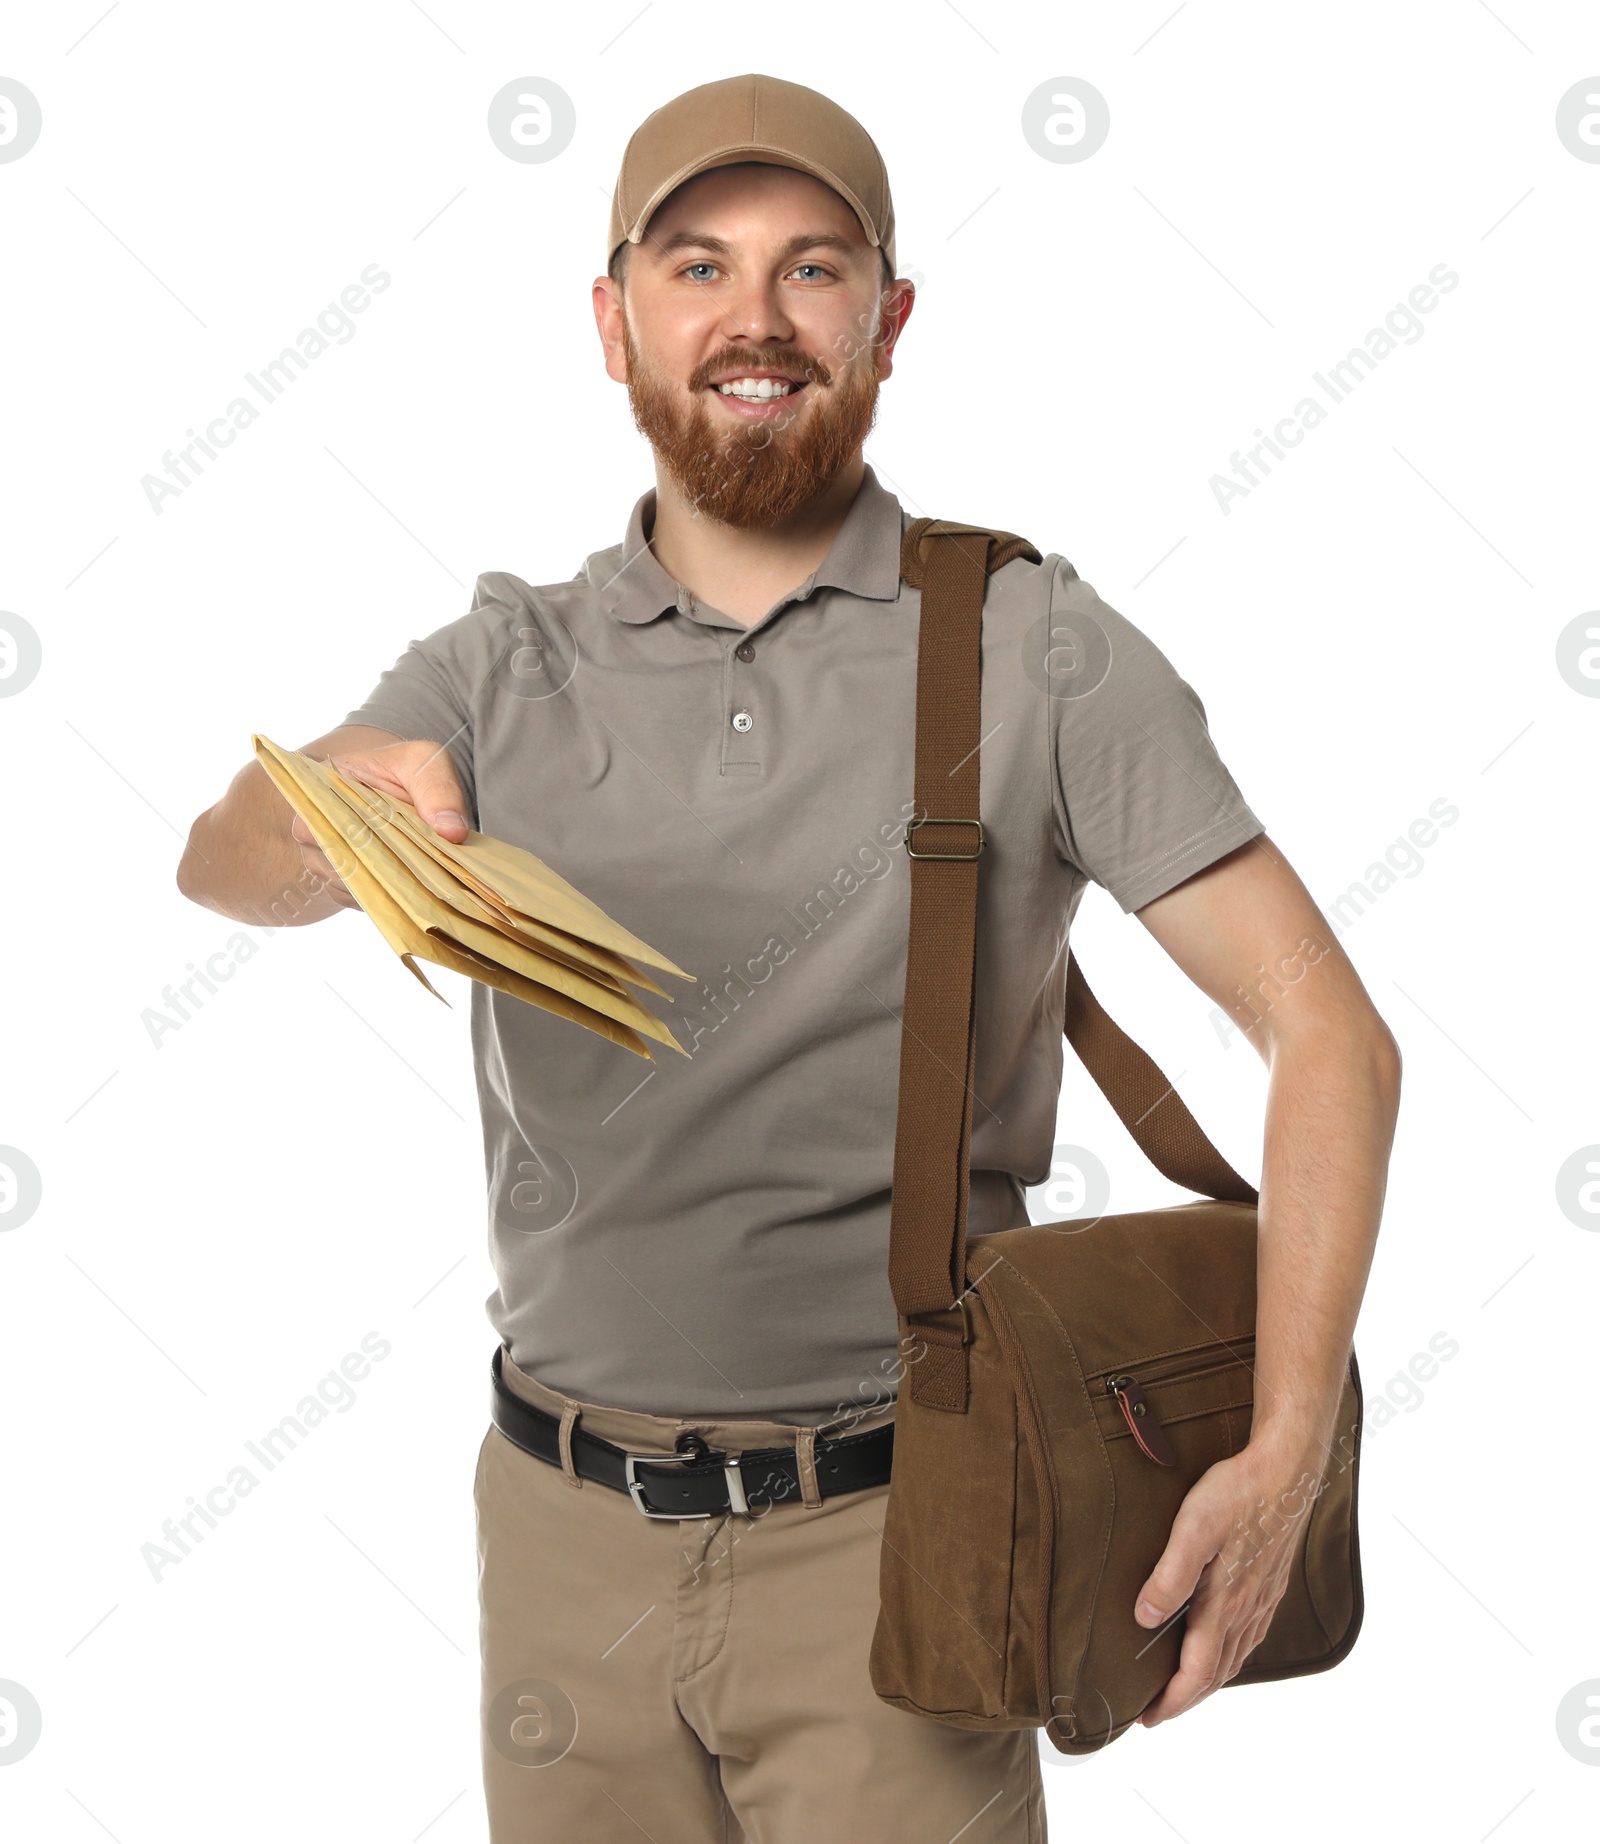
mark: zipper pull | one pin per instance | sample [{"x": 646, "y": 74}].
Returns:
[{"x": 1151, "y": 1437}]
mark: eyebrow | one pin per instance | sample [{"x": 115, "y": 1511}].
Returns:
[{"x": 703, "y": 240}]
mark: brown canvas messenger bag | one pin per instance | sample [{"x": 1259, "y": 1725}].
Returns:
[{"x": 1063, "y": 1385}]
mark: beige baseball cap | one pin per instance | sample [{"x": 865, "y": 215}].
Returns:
[{"x": 751, "y": 118}]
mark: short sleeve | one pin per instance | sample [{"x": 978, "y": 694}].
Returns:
[
  {"x": 1143, "y": 800},
  {"x": 430, "y": 694}
]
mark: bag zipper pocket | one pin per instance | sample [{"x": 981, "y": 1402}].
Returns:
[{"x": 1144, "y": 1424}]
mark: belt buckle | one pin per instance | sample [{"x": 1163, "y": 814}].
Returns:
[{"x": 737, "y": 1501}]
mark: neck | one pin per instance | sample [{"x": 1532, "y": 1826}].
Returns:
[{"x": 742, "y": 573}]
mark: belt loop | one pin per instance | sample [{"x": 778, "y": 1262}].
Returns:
[
  {"x": 569, "y": 1416},
  {"x": 805, "y": 1462}
]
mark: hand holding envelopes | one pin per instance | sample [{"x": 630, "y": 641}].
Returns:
[{"x": 483, "y": 908}]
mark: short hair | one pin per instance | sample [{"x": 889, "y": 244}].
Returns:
[{"x": 617, "y": 268}]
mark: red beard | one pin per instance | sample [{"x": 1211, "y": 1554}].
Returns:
[{"x": 755, "y": 474}]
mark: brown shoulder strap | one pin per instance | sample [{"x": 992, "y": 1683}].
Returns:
[
  {"x": 950, "y": 564},
  {"x": 1147, "y": 1104}
]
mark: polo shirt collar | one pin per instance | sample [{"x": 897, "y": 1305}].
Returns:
[{"x": 863, "y": 560}]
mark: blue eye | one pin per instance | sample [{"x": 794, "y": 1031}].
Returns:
[
  {"x": 814, "y": 266},
  {"x": 709, "y": 267}
]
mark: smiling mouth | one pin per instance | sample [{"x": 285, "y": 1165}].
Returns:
[{"x": 758, "y": 390}]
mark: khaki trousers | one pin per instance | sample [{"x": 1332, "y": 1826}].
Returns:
[{"x": 705, "y": 1682}]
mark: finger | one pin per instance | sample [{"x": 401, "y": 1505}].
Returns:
[
  {"x": 1182, "y": 1693},
  {"x": 1240, "y": 1635},
  {"x": 311, "y": 856},
  {"x": 421, "y": 774},
  {"x": 1233, "y": 1652},
  {"x": 329, "y": 880},
  {"x": 436, "y": 795},
  {"x": 1198, "y": 1667},
  {"x": 1173, "y": 1580},
  {"x": 1220, "y": 1619},
  {"x": 339, "y": 891},
  {"x": 1253, "y": 1636}
]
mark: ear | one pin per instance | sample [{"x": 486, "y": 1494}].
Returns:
[
  {"x": 894, "y": 310},
  {"x": 609, "y": 315}
]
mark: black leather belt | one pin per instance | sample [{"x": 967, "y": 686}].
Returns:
[{"x": 697, "y": 1481}]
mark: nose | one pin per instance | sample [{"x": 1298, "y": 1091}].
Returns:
[{"x": 755, "y": 315}]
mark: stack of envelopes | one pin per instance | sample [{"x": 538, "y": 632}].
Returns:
[{"x": 483, "y": 908}]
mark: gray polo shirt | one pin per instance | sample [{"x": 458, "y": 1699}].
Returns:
[{"x": 710, "y": 1236}]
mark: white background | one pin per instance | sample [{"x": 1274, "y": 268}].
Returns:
[{"x": 1373, "y": 629}]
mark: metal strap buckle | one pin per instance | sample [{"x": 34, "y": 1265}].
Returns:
[
  {"x": 959, "y": 1303},
  {"x": 953, "y": 857},
  {"x": 730, "y": 1470}
]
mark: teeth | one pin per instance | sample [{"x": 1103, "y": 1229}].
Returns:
[{"x": 756, "y": 390}]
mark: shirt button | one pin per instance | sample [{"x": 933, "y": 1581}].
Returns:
[
  {"x": 742, "y": 721},
  {"x": 745, "y": 650}
]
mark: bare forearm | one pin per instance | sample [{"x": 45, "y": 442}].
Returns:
[
  {"x": 1332, "y": 1095},
  {"x": 1332, "y": 1099}
]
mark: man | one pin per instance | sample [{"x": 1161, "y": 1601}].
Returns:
[{"x": 709, "y": 731}]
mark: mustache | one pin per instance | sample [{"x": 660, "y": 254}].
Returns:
[{"x": 787, "y": 359}]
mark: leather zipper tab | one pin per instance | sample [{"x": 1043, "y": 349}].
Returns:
[{"x": 1151, "y": 1437}]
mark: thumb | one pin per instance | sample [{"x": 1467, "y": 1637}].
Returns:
[
  {"x": 449, "y": 821},
  {"x": 1172, "y": 1582},
  {"x": 436, "y": 794}
]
